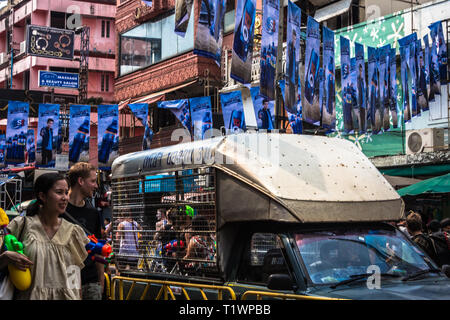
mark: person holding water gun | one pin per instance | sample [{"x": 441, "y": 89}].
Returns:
[{"x": 54, "y": 246}]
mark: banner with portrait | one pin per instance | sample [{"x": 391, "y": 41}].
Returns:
[
  {"x": 140, "y": 111},
  {"x": 16, "y": 132},
  {"x": 108, "y": 135},
  {"x": 409, "y": 43},
  {"x": 311, "y": 108},
  {"x": 421, "y": 79},
  {"x": 233, "y": 111},
  {"x": 435, "y": 76},
  {"x": 348, "y": 92},
  {"x": 426, "y": 60},
  {"x": 439, "y": 51},
  {"x": 79, "y": 132},
  {"x": 31, "y": 147},
  {"x": 392, "y": 71},
  {"x": 182, "y": 16},
  {"x": 244, "y": 30},
  {"x": 328, "y": 103},
  {"x": 269, "y": 47},
  {"x": 354, "y": 96},
  {"x": 295, "y": 119},
  {"x": 383, "y": 60},
  {"x": 2, "y": 150},
  {"x": 180, "y": 109},
  {"x": 264, "y": 109},
  {"x": 209, "y": 36},
  {"x": 404, "y": 57},
  {"x": 361, "y": 86},
  {"x": 374, "y": 98},
  {"x": 47, "y": 135},
  {"x": 201, "y": 114}
]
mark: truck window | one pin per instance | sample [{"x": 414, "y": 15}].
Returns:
[{"x": 262, "y": 257}]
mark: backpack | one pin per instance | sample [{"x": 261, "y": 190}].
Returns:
[{"x": 441, "y": 241}]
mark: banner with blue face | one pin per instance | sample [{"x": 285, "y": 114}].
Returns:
[
  {"x": 108, "y": 135},
  {"x": 393, "y": 88},
  {"x": 30, "y": 147},
  {"x": 264, "y": 109},
  {"x": 269, "y": 45},
  {"x": 209, "y": 37},
  {"x": 201, "y": 117},
  {"x": 49, "y": 137},
  {"x": 426, "y": 60},
  {"x": 408, "y": 43},
  {"x": 435, "y": 65},
  {"x": 311, "y": 109},
  {"x": 374, "y": 98},
  {"x": 295, "y": 119},
  {"x": 361, "y": 86},
  {"x": 348, "y": 91},
  {"x": 233, "y": 111},
  {"x": 422, "y": 96},
  {"x": 439, "y": 51},
  {"x": 79, "y": 132},
  {"x": 384, "y": 81},
  {"x": 180, "y": 109},
  {"x": 327, "y": 102},
  {"x": 404, "y": 78},
  {"x": 241, "y": 60},
  {"x": 16, "y": 132}
]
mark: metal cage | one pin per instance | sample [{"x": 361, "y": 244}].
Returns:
[{"x": 166, "y": 223}]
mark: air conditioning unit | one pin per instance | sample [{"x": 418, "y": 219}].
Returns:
[
  {"x": 23, "y": 47},
  {"x": 424, "y": 140},
  {"x": 2, "y": 57}
]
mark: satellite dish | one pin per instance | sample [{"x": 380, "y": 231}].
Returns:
[{"x": 415, "y": 142}]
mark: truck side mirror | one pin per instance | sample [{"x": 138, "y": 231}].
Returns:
[
  {"x": 446, "y": 270},
  {"x": 279, "y": 281}
]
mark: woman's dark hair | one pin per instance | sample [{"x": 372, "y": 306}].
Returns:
[{"x": 43, "y": 184}]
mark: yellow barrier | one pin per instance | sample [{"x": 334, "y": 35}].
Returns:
[
  {"x": 166, "y": 289},
  {"x": 107, "y": 286},
  {"x": 284, "y": 296}
]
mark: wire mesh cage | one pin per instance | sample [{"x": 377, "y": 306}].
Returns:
[{"x": 166, "y": 223}]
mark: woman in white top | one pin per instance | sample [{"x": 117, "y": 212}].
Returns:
[{"x": 127, "y": 236}]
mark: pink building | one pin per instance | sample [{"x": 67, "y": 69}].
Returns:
[{"x": 99, "y": 15}]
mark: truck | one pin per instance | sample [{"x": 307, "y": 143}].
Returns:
[{"x": 262, "y": 216}]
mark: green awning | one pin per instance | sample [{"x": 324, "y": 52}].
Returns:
[
  {"x": 415, "y": 170},
  {"x": 439, "y": 184}
]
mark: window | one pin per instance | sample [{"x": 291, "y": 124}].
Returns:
[
  {"x": 104, "y": 79},
  {"x": 153, "y": 42},
  {"x": 58, "y": 20},
  {"x": 106, "y": 24}
]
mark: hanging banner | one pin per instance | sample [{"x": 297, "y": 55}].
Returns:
[
  {"x": 422, "y": 96},
  {"x": 180, "y": 109},
  {"x": 435, "y": 77},
  {"x": 383, "y": 59},
  {"x": 201, "y": 116},
  {"x": 404, "y": 77},
  {"x": 346, "y": 85},
  {"x": 209, "y": 37},
  {"x": 233, "y": 112},
  {"x": 426, "y": 61},
  {"x": 269, "y": 47},
  {"x": 182, "y": 16},
  {"x": 328, "y": 109},
  {"x": 30, "y": 147},
  {"x": 79, "y": 131},
  {"x": 2, "y": 150},
  {"x": 311, "y": 108},
  {"x": 241, "y": 61},
  {"x": 140, "y": 111},
  {"x": 437, "y": 37},
  {"x": 16, "y": 132},
  {"x": 47, "y": 138},
  {"x": 354, "y": 95},
  {"x": 373, "y": 107},
  {"x": 264, "y": 109},
  {"x": 392, "y": 71},
  {"x": 361, "y": 86},
  {"x": 412, "y": 77},
  {"x": 295, "y": 119},
  {"x": 108, "y": 135},
  {"x": 292, "y": 78}
]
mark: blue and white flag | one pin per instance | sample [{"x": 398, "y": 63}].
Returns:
[
  {"x": 244, "y": 31},
  {"x": 108, "y": 135},
  {"x": 233, "y": 111},
  {"x": 269, "y": 45},
  {"x": 427, "y": 58},
  {"x": 79, "y": 132},
  {"x": 422, "y": 91},
  {"x": 328, "y": 103},
  {"x": 408, "y": 43},
  {"x": 140, "y": 111},
  {"x": 2, "y": 150},
  {"x": 361, "y": 86},
  {"x": 435, "y": 65},
  {"x": 440, "y": 50},
  {"x": 295, "y": 119},
  {"x": 373, "y": 112},
  {"x": 30, "y": 147},
  {"x": 311, "y": 109},
  {"x": 347, "y": 91},
  {"x": 180, "y": 109},
  {"x": 201, "y": 117},
  {"x": 404, "y": 57},
  {"x": 392, "y": 71},
  {"x": 384, "y": 85},
  {"x": 264, "y": 109},
  {"x": 47, "y": 135},
  {"x": 16, "y": 132}
]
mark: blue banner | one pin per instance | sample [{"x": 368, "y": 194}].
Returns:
[
  {"x": 108, "y": 135},
  {"x": 47, "y": 138},
  {"x": 328, "y": 104},
  {"x": 233, "y": 112},
  {"x": 354, "y": 95},
  {"x": 201, "y": 116},
  {"x": 31, "y": 147},
  {"x": 264, "y": 109},
  {"x": 410, "y": 55},
  {"x": 244, "y": 30},
  {"x": 426, "y": 56},
  {"x": 384, "y": 85},
  {"x": 269, "y": 45},
  {"x": 361, "y": 86},
  {"x": 292, "y": 75},
  {"x": 311, "y": 109},
  {"x": 180, "y": 109},
  {"x": 422, "y": 97},
  {"x": 140, "y": 111},
  {"x": 209, "y": 36},
  {"x": 79, "y": 132},
  {"x": 374, "y": 98},
  {"x": 16, "y": 132},
  {"x": 58, "y": 79},
  {"x": 295, "y": 119},
  {"x": 405, "y": 87},
  {"x": 346, "y": 85},
  {"x": 437, "y": 36},
  {"x": 182, "y": 16},
  {"x": 392, "y": 71},
  {"x": 2, "y": 150},
  {"x": 435, "y": 74}
]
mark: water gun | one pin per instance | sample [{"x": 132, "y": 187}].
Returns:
[
  {"x": 99, "y": 247},
  {"x": 174, "y": 245},
  {"x": 20, "y": 278}
]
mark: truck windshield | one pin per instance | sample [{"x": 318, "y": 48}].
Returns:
[{"x": 332, "y": 257}]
